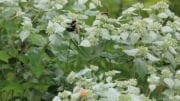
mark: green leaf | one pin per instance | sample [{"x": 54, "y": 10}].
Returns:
[
  {"x": 141, "y": 67},
  {"x": 53, "y": 38},
  {"x": 16, "y": 87},
  {"x": 177, "y": 59},
  {"x": 170, "y": 58},
  {"x": 33, "y": 57},
  {"x": 37, "y": 39},
  {"x": 37, "y": 70},
  {"x": 149, "y": 38},
  {"x": 4, "y": 56},
  {"x": 35, "y": 63},
  {"x": 108, "y": 55},
  {"x": 124, "y": 97},
  {"x": 152, "y": 57},
  {"x": 10, "y": 76},
  {"x": 134, "y": 37}
]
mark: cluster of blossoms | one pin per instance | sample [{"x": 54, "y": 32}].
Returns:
[
  {"x": 151, "y": 39},
  {"x": 88, "y": 86},
  {"x": 103, "y": 87},
  {"x": 49, "y": 4}
]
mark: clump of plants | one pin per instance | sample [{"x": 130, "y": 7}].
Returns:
[
  {"x": 102, "y": 87},
  {"x": 64, "y": 50},
  {"x": 149, "y": 37}
]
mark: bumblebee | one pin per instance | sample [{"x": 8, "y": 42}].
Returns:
[{"x": 72, "y": 26}]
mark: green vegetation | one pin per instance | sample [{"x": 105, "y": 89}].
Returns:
[{"x": 89, "y": 50}]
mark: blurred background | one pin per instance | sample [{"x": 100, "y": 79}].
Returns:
[{"x": 115, "y": 7}]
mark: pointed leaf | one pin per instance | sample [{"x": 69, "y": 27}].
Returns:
[
  {"x": 131, "y": 52},
  {"x": 170, "y": 58},
  {"x": 37, "y": 39},
  {"x": 24, "y": 34},
  {"x": 152, "y": 58},
  {"x": 141, "y": 67},
  {"x": 4, "y": 56}
]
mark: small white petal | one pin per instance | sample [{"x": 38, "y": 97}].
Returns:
[
  {"x": 124, "y": 35},
  {"x": 131, "y": 52},
  {"x": 83, "y": 72},
  {"x": 24, "y": 34},
  {"x": 133, "y": 90},
  {"x": 58, "y": 28},
  {"x": 169, "y": 82},
  {"x": 172, "y": 50},
  {"x": 152, "y": 58},
  {"x": 105, "y": 34},
  {"x": 152, "y": 87},
  {"x": 85, "y": 43},
  {"x": 162, "y": 15},
  {"x": 166, "y": 29},
  {"x": 53, "y": 38},
  {"x": 56, "y": 98},
  {"x": 82, "y": 2},
  {"x": 92, "y": 6},
  {"x": 148, "y": 20}
]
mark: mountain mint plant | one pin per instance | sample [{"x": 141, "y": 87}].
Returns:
[
  {"x": 152, "y": 41},
  {"x": 71, "y": 50}
]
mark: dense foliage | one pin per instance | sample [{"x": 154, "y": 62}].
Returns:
[{"x": 72, "y": 51}]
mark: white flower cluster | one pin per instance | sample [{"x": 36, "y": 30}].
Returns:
[
  {"x": 153, "y": 42},
  {"x": 47, "y": 5},
  {"x": 102, "y": 87}
]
